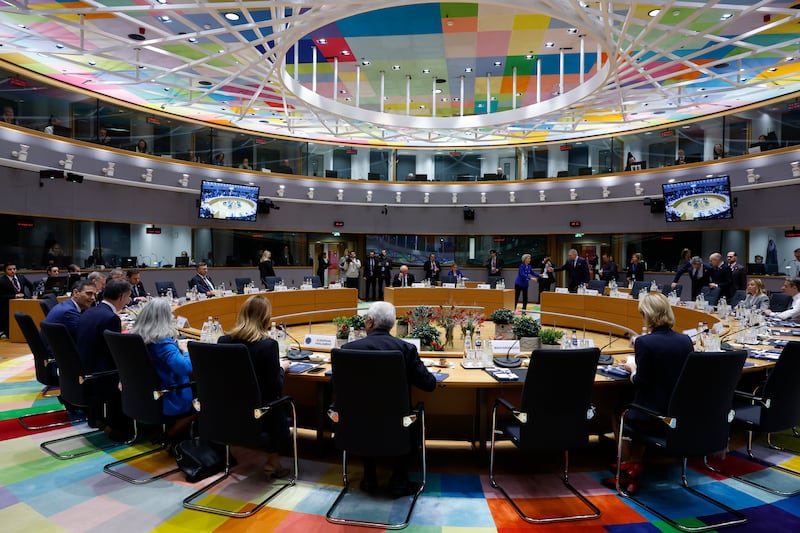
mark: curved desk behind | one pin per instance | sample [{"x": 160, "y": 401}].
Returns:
[
  {"x": 489, "y": 299},
  {"x": 283, "y": 303},
  {"x": 622, "y": 311}
]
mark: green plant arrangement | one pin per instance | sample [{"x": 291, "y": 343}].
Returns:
[
  {"x": 428, "y": 336},
  {"x": 525, "y": 326},
  {"x": 356, "y": 322},
  {"x": 502, "y": 316},
  {"x": 342, "y": 324},
  {"x": 421, "y": 314},
  {"x": 550, "y": 336}
]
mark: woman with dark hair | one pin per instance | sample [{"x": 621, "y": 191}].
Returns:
[
  {"x": 252, "y": 330},
  {"x": 631, "y": 160},
  {"x": 141, "y": 147},
  {"x": 686, "y": 256},
  {"x": 322, "y": 266}
]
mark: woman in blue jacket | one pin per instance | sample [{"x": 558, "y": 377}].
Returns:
[{"x": 524, "y": 275}]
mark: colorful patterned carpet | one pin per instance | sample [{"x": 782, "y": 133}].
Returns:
[{"x": 41, "y": 494}]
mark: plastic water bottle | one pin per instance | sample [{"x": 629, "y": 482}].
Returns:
[
  {"x": 205, "y": 333},
  {"x": 216, "y": 330},
  {"x": 653, "y": 286},
  {"x": 488, "y": 352},
  {"x": 194, "y": 293},
  {"x": 273, "y": 332},
  {"x": 352, "y": 335},
  {"x": 468, "y": 353},
  {"x": 478, "y": 345},
  {"x": 574, "y": 339}
]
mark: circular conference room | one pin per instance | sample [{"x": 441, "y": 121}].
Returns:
[{"x": 157, "y": 137}]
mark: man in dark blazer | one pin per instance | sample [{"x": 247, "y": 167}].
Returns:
[
  {"x": 494, "y": 265},
  {"x": 403, "y": 278},
  {"x": 96, "y": 357},
  {"x": 69, "y": 311},
  {"x": 432, "y": 268},
  {"x": 13, "y": 286},
  {"x": 371, "y": 275},
  {"x": 577, "y": 270},
  {"x": 636, "y": 268},
  {"x": 384, "y": 272},
  {"x": 201, "y": 280},
  {"x": 738, "y": 275},
  {"x": 699, "y": 273},
  {"x": 721, "y": 276},
  {"x": 378, "y": 321},
  {"x": 138, "y": 293},
  {"x": 608, "y": 269}
]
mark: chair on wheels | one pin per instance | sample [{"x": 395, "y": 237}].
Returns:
[
  {"x": 270, "y": 281},
  {"x": 779, "y": 302},
  {"x": 76, "y": 388},
  {"x": 776, "y": 407},
  {"x": 141, "y": 396},
  {"x": 163, "y": 286},
  {"x": 230, "y": 409},
  {"x": 637, "y": 288},
  {"x": 373, "y": 418},
  {"x": 47, "y": 303},
  {"x": 44, "y": 367},
  {"x": 555, "y": 413},
  {"x": 697, "y": 423},
  {"x": 598, "y": 285},
  {"x": 738, "y": 296},
  {"x": 711, "y": 295},
  {"x": 240, "y": 283}
]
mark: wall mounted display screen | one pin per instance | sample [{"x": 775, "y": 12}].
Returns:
[
  {"x": 704, "y": 199},
  {"x": 228, "y": 201}
]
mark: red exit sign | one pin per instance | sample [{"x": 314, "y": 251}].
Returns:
[
  {"x": 153, "y": 231},
  {"x": 668, "y": 133},
  {"x": 565, "y": 147}
]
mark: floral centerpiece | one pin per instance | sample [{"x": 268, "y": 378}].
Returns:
[
  {"x": 356, "y": 322},
  {"x": 447, "y": 317},
  {"x": 421, "y": 314},
  {"x": 342, "y": 324},
  {"x": 428, "y": 336},
  {"x": 526, "y": 329},
  {"x": 469, "y": 320},
  {"x": 503, "y": 319}
]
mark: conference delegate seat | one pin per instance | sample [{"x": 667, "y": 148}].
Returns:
[
  {"x": 270, "y": 281},
  {"x": 142, "y": 397},
  {"x": 696, "y": 424},
  {"x": 163, "y": 286},
  {"x": 666, "y": 289},
  {"x": 44, "y": 368},
  {"x": 775, "y": 407},
  {"x": 492, "y": 281},
  {"x": 372, "y": 417},
  {"x": 47, "y": 303},
  {"x": 779, "y": 302},
  {"x": 638, "y": 286},
  {"x": 230, "y": 409},
  {"x": 76, "y": 389},
  {"x": 711, "y": 295},
  {"x": 316, "y": 282},
  {"x": 738, "y": 296},
  {"x": 240, "y": 284},
  {"x": 598, "y": 285},
  {"x": 554, "y": 414}
]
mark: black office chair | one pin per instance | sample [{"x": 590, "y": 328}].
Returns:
[
  {"x": 711, "y": 295},
  {"x": 47, "y": 303},
  {"x": 141, "y": 396},
  {"x": 667, "y": 288},
  {"x": 598, "y": 285},
  {"x": 270, "y": 281},
  {"x": 163, "y": 286},
  {"x": 776, "y": 407},
  {"x": 737, "y": 297},
  {"x": 316, "y": 282},
  {"x": 240, "y": 283},
  {"x": 492, "y": 281},
  {"x": 554, "y": 414},
  {"x": 373, "y": 418},
  {"x": 697, "y": 423},
  {"x": 779, "y": 302},
  {"x": 44, "y": 367},
  {"x": 76, "y": 388},
  {"x": 230, "y": 409},
  {"x": 638, "y": 286},
  {"x": 450, "y": 279}
]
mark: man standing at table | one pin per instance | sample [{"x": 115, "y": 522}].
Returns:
[
  {"x": 720, "y": 275},
  {"x": 371, "y": 275},
  {"x": 577, "y": 270},
  {"x": 738, "y": 275},
  {"x": 378, "y": 321},
  {"x": 13, "y": 286},
  {"x": 608, "y": 268},
  {"x": 403, "y": 278},
  {"x": 432, "y": 268},
  {"x": 494, "y": 265},
  {"x": 384, "y": 272},
  {"x": 201, "y": 280},
  {"x": 699, "y": 273}
]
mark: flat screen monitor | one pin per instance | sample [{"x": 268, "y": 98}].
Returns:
[
  {"x": 56, "y": 284},
  {"x": 181, "y": 261},
  {"x": 489, "y": 177},
  {"x": 756, "y": 269},
  {"x": 465, "y": 177},
  {"x": 228, "y": 201},
  {"x": 584, "y": 171},
  {"x": 331, "y": 174},
  {"x": 373, "y": 176},
  {"x": 128, "y": 262},
  {"x": 704, "y": 199},
  {"x": 539, "y": 174},
  {"x": 421, "y": 177}
]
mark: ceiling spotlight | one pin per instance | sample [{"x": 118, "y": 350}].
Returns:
[
  {"x": 773, "y": 69},
  {"x": 426, "y": 71},
  {"x": 512, "y": 197},
  {"x": 572, "y": 30},
  {"x": 752, "y": 177},
  {"x": 192, "y": 39},
  {"x": 67, "y": 162},
  {"x": 398, "y": 197},
  {"x": 310, "y": 193},
  {"x": 542, "y": 196},
  {"x": 232, "y": 16},
  {"x": 468, "y": 69},
  {"x": 164, "y": 18},
  {"x": 184, "y": 180},
  {"x": 426, "y": 198},
  {"x": 795, "y": 168},
  {"x": 498, "y": 63},
  {"x": 340, "y": 194},
  {"x": 365, "y": 63},
  {"x": 638, "y": 189},
  {"x": 528, "y": 56},
  {"x": 369, "y": 196},
  {"x": 281, "y": 190},
  {"x": 395, "y": 67},
  {"x": 573, "y": 194},
  {"x": 322, "y": 41},
  {"x": 59, "y": 46},
  {"x": 483, "y": 197},
  {"x": 549, "y": 44},
  {"x": 92, "y": 63},
  {"x": 347, "y": 99},
  {"x": 455, "y": 198},
  {"x": 22, "y": 153},
  {"x": 726, "y": 16},
  {"x": 108, "y": 170},
  {"x": 606, "y": 192},
  {"x": 345, "y": 52},
  {"x": 148, "y": 175},
  {"x": 653, "y": 12}
]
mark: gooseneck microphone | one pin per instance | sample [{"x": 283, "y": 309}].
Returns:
[
  {"x": 295, "y": 354},
  {"x": 508, "y": 361}
]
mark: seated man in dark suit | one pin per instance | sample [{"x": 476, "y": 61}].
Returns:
[
  {"x": 12, "y": 286},
  {"x": 699, "y": 273},
  {"x": 577, "y": 270},
  {"x": 201, "y": 281},
  {"x": 403, "y": 278},
  {"x": 69, "y": 311},
  {"x": 95, "y": 357},
  {"x": 379, "y": 320},
  {"x": 138, "y": 293}
]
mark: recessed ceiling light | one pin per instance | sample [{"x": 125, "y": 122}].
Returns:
[
  {"x": 342, "y": 91},
  {"x": 426, "y": 71},
  {"x": 519, "y": 94},
  {"x": 790, "y": 58},
  {"x": 445, "y": 99},
  {"x": 686, "y": 127},
  {"x": 529, "y": 56},
  {"x": 498, "y": 63},
  {"x": 164, "y": 18},
  {"x": 701, "y": 89},
  {"x": 23, "y": 26},
  {"x": 365, "y": 63},
  {"x": 166, "y": 88},
  {"x": 219, "y": 179},
  {"x": 59, "y": 46},
  {"x": 549, "y": 44},
  {"x": 437, "y": 91},
  {"x": 232, "y": 16},
  {"x": 422, "y": 106},
  {"x": 468, "y": 69},
  {"x": 773, "y": 69},
  {"x": 141, "y": 67},
  {"x": 322, "y": 41},
  {"x": 572, "y": 30},
  {"x": 347, "y": 99},
  {"x": 494, "y": 98},
  {"x": 450, "y": 22},
  {"x": 192, "y": 39},
  {"x": 162, "y": 2},
  {"x": 345, "y": 52},
  {"x": 92, "y": 63},
  {"x": 395, "y": 67},
  {"x": 653, "y": 12},
  {"x": 726, "y": 16},
  {"x": 456, "y": 99}
]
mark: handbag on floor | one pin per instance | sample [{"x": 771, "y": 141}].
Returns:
[{"x": 199, "y": 459}]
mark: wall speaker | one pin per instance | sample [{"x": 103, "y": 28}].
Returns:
[
  {"x": 74, "y": 178},
  {"x": 263, "y": 207},
  {"x": 657, "y": 205},
  {"x": 50, "y": 174},
  {"x": 469, "y": 213}
]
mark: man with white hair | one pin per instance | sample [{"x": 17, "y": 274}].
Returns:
[{"x": 378, "y": 320}]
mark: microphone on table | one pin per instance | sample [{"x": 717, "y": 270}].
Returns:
[
  {"x": 293, "y": 354},
  {"x": 508, "y": 361}
]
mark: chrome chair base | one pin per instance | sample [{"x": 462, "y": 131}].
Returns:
[
  {"x": 110, "y": 467},
  {"x": 64, "y": 456},
  {"x": 23, "y": 419}
]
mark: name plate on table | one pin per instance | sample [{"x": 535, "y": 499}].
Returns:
[
  {"x": 336, "y": 285},
  {"x": 448, "y": 285},
  {"x": 502, "y": 347},
  {"x": 593, "y": 292},
  {"x": 483, "y": 286},
  {"x": 562, "y": 290},
  {"x": 718, "y": 327},
  {"x": 181, "y": 322},
  {"x": 414, "y": 342},
  {"x": 280, "y": 288},
  {"x": 419, "y": 285},
  {"x": 306, "y": 287},
  {"x": 326, "y": 342}
]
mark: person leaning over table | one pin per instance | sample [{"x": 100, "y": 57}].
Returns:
[
  {"x": 172, "y": 364},
  {"x": 699, "y": 273},
  {"x": 757, "y": 297},
  {"x": 659, "y": 359},
  {"x": 378, "y": 321},
  {"x": 791, "y": 287},
  {"x": 524, "y": 274},
  {"x": 252, "y": 330}
]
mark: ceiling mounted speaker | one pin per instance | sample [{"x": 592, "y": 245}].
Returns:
[{"x": 469, "y": 213}]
